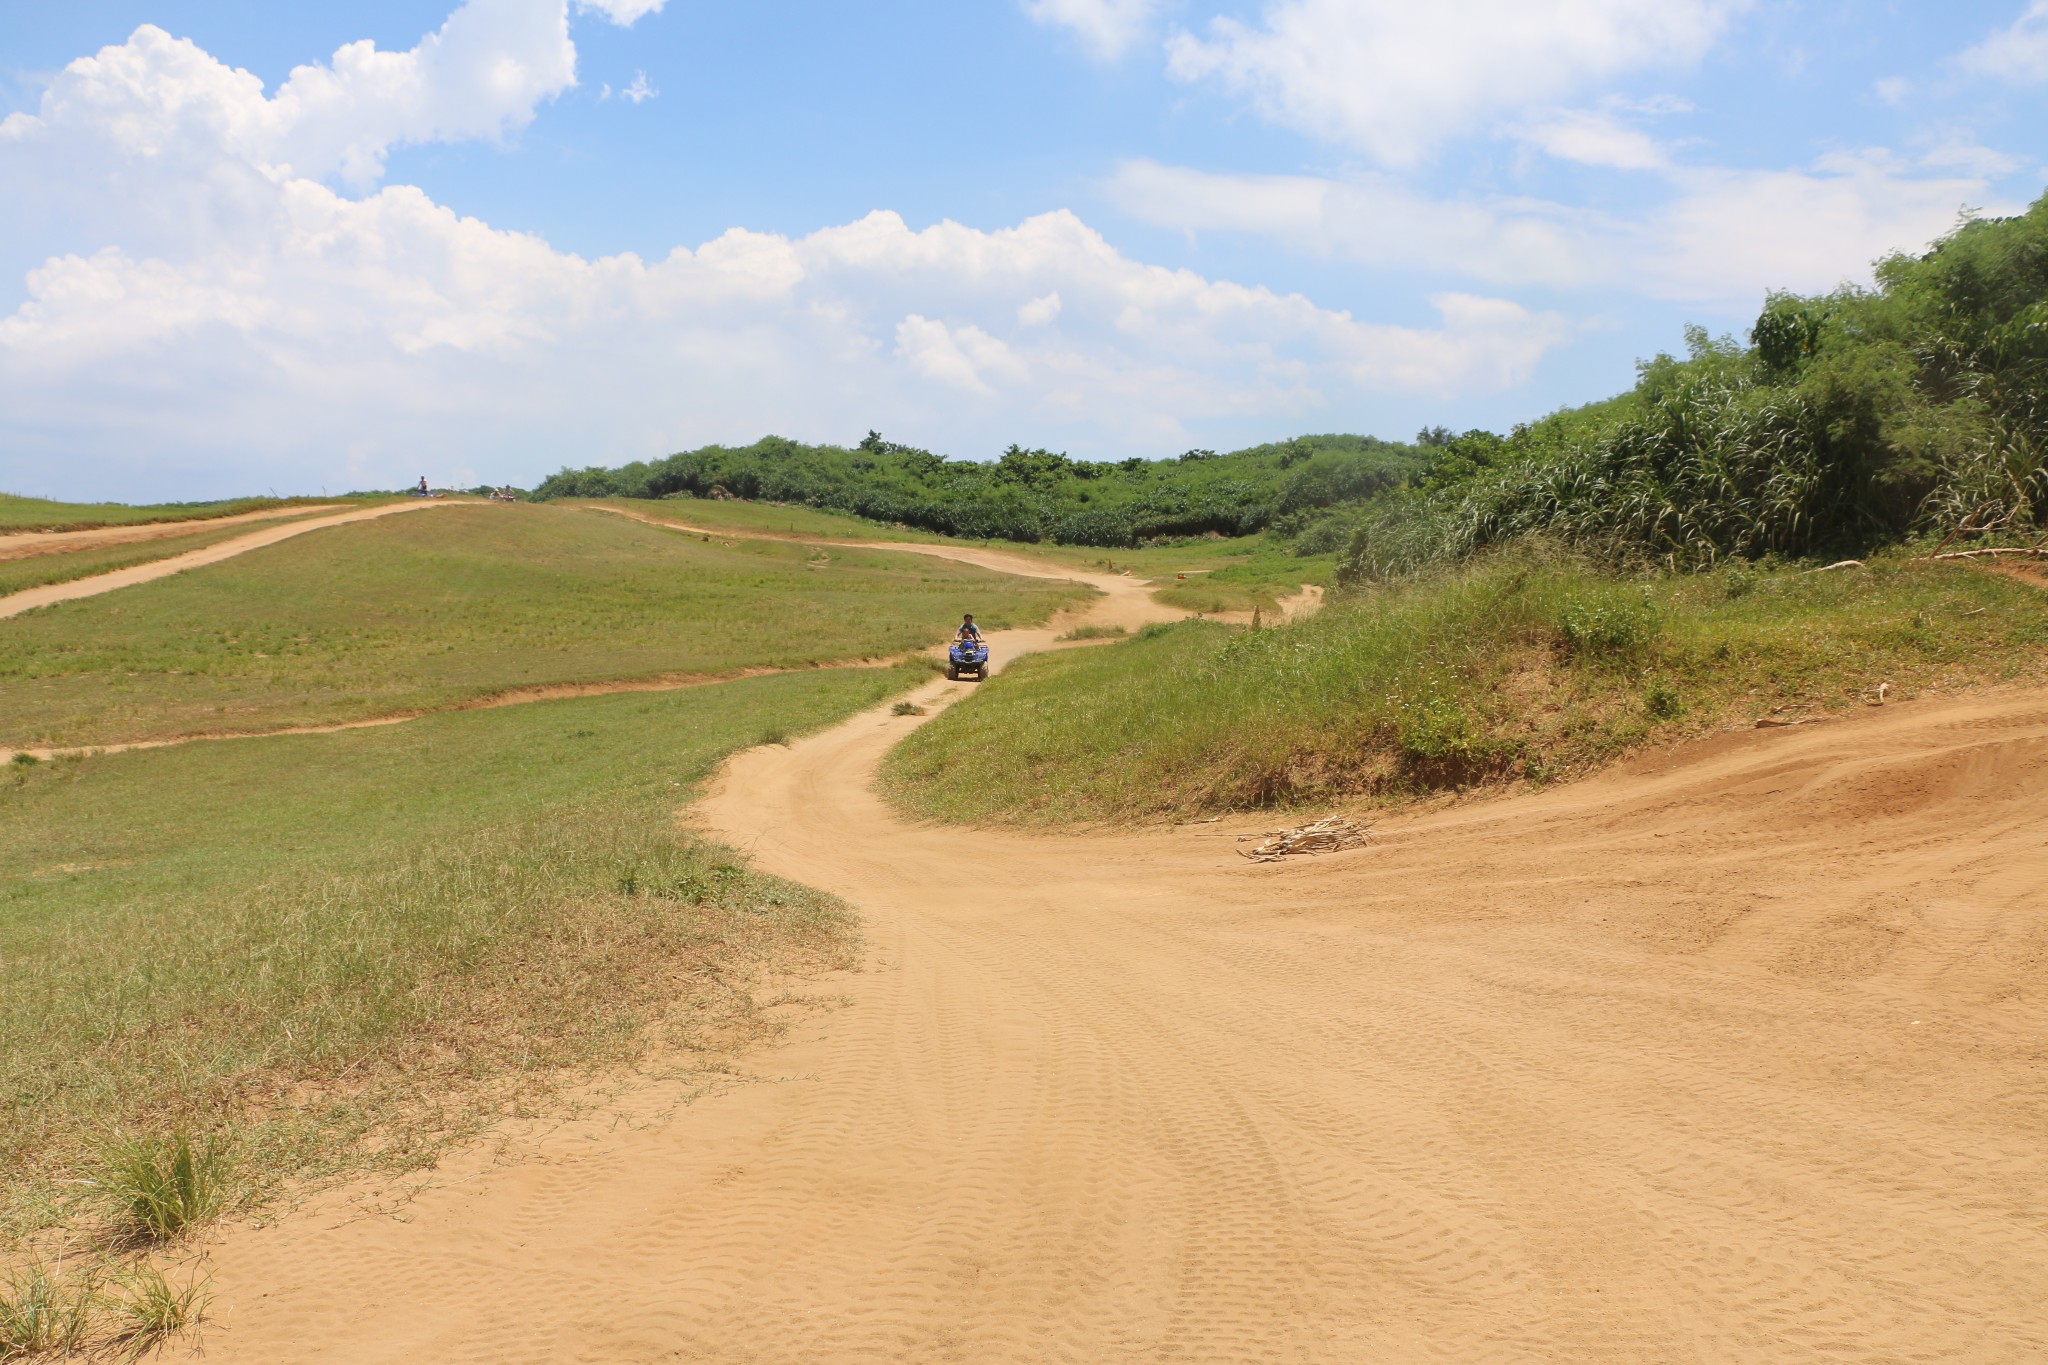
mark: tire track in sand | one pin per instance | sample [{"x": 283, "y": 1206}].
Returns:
[{"x": 1584, "y": 1076}]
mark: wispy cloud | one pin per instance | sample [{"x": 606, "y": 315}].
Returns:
[
  {"x": 1394, "y": 79},
  {"x": 2018, "y": 52},
  {"x": 1715, "y": 237},
  {"x": 1107, "y": 28}
]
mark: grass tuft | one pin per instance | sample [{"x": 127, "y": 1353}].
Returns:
[
  {"x": 906, "y": 708},
  {"x": 1094, "y": 633},
  {"x": 45, "y": 1312},
  {"x": 160, "y": 1188},
  {"x": 147, "y": 1310}
]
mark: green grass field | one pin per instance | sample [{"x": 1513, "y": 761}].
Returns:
[
  {"x": 40, "y": 514},
  {"x": 767, "y": 518},
  {"x": 435, "y": 609},
  {"x": 1223, "y": 574},
  {"x": 1517, "y": 668},
  {"x": 337, "y": 945},
  {"x": 19, "y": 575}
]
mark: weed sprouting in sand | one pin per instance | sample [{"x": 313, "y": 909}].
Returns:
[
  {"x": 100, "y": 1309},
  {"x": 159, "y": 1188},
  {"x": 44, "y": 1311},
  {"x": 145, "y": 1309},
  {"x": 906, "y": 708},
  {"x": 1094, "y": 633}
]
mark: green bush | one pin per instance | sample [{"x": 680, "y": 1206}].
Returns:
[
  {"x": 1661, "y": 701},
  {"x": 1852, "y": 421},
  {"x": 1607, "y": 629}
]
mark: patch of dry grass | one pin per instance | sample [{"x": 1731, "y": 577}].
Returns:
[{"x": 338, "y": 949}]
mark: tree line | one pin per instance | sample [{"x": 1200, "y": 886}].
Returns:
[
  {"x": 1848, "y": 420},
  {"x": 1025, "y": 494},
  {"x": 1845, "y": 421}
]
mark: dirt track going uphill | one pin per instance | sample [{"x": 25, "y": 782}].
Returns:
[
  {"x": 30, "y": 544},
  {"x": 1732, "y": 1056},
  {"x": 28, "y": 599}
]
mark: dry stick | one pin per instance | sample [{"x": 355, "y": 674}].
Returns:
[
  {"x": 1328, "y": 835},
  {"x": 1965, "y": 527},
  {"x": 2031, "y": 552},
  {"x": 1839, "y": 564}
]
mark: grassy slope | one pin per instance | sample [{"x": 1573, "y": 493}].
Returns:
[
  {"x": 40, "y": 514},
  {"x": 768, "y": 518},
  {"x": 18, "y": 575},
  {"x": 233, "y": 928},
  {"x": 1504, "y": 670},
  {"x": 426, "y": 611},
  {"x": 1224, "y": 574}
]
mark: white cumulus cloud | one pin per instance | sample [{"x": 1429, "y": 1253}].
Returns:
[
  {"x": 159, "y": 98},
  {"x": 1394, "y": 78},
  {"x": 964, "y": 356},
  {"x": 1040, "y": 311},
  {"x": 229, "y": 309}
]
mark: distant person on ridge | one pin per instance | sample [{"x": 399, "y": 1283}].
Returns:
[
  {"x": 968, "y": 630},
  {"x": 421, "y": 491}
]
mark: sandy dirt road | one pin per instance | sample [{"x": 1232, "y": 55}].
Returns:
[
  {"x": 1735, "y": 1054},
  {"x": 30, "y": 544},
  {"x": 16, "y": 603}
]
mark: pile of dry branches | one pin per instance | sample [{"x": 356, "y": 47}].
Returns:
[{"x": 1328, "y": 835}]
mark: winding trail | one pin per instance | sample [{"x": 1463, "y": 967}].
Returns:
[
  {"x": 1124, "y": 589},
  {"x": 31, "y": 544},
  {"x": 1732, "y": 1054},
  {"x": 29, "y": 599}
]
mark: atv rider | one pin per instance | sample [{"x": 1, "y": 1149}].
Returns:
[{"x": 968, "y": 630}]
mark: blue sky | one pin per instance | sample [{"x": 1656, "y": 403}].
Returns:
[{"x": 577, "y": 231}]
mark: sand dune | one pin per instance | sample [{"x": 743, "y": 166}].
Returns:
[{"x": 1734, "y": 1055}]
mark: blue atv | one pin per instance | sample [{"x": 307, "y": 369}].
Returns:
[{"x": 967, "y": 657}]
